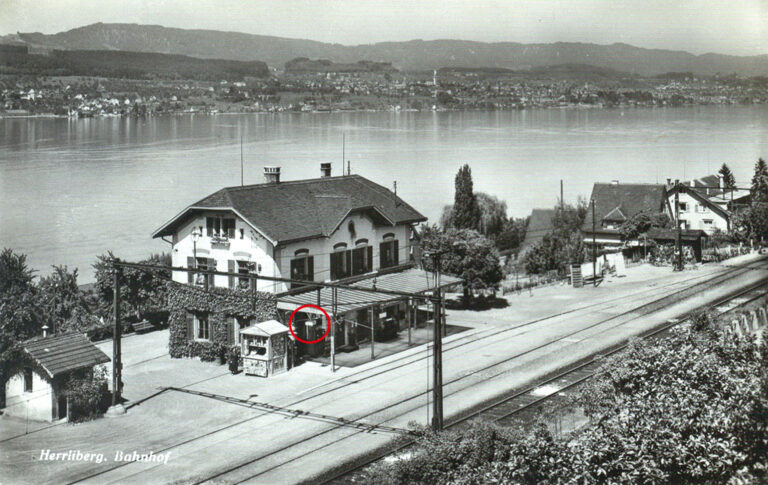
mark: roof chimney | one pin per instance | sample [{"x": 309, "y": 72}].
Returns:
[
  {"x": 721, "y": 181},
  {"x": 272, "y": 175},
  {"x": 45, "y": 331},
  {"x": 325, "y": 169}
]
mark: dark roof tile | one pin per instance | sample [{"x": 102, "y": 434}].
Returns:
[
  {"x": 302, "y": 209},
  {"x": 63, "y": 353}
]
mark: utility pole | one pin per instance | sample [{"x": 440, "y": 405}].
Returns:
[
  {"x": 594, "y": 247},
  {"x": 343, "y": 150},
  {"x": 679, "y": 265},
  {"x": 437, "y": 352},
  {"x": 562, "y": 201},
  {"x": 117, "y": 362},
  {"x": 333, "y": 330},
  {"x": 437, "y": 367}
]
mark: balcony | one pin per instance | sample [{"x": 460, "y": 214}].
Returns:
[{"x": 219, "y": 241}]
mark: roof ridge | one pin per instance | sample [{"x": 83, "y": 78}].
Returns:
[{"x": 290, "y": 182}]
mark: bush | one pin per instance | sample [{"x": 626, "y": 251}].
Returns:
[{"x": 87, "y": 395}]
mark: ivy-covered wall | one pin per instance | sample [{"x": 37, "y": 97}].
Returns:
[{"x": 221, "y": 304}]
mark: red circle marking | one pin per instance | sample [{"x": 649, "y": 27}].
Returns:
[{"x": 327, "y": 330}]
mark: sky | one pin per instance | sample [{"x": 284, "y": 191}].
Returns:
[{"x": 738, "y": 27}]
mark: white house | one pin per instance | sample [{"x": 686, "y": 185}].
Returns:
[
  {"x": 705, "y": 204},
  {"x": 35, "y": 392},
  {"x": 321, "y": 229}
]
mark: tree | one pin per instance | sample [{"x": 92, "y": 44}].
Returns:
[
  {"x": 513, "y": 234},
  {"x": 563, "y": 246},
  {"x": 466, "y": 212},
  {"x": 463, "y": 253},
  {"x": 728, "y": 179},
  {"x": 19, "y": 312},
  {"x": 760, "y": 182},
  {"x": 641, "y": 223},
  {"x": 63, "y": 304},
  {"x": 141, "y": 290},
  {"x": 492, "y": 215}
]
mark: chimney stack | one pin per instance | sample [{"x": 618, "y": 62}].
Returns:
[
  {"x": 325, "y": 169},
  {"x": 721, "y": 181},
  {"x": 272, "y": 175}
]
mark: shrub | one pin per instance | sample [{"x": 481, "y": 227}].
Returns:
[{"x": 87, "y": 395}]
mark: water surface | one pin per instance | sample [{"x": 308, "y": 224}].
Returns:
[{"x": 73, "y": 189}]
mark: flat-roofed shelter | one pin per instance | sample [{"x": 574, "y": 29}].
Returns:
[{"x": 357, "y": 310}]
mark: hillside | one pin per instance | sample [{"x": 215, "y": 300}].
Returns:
[
  {"x": 126, "y": 64},
  {"x": 410, "y": 55}
]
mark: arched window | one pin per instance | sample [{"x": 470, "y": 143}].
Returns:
[
  {"x": 340, "y": 246},
  {"x": 361, "y": 242},
  {"x": 389, "y": 251},
  {"x": 301, "y": 252}
]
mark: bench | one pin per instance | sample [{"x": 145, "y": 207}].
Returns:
[{"x": 142, "y": 326}]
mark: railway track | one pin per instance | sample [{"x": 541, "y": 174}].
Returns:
[
  {"x": 508, "y": 409},
  {"x": 670, "y": 292}
]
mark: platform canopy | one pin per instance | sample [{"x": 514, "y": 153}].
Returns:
[{"x": 409, "y": 281}]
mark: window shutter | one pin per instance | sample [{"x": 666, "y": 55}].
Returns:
[
  {"x": 231, "y": 326},
  {"x": 396, "y": 252},
  {"x": 348, "y": 268},
  {"x": 190, "y": 264},
  {"x": 209, "y": 226},
  {"x": 311, "y": 268},
  {"x": 335, "y": 265},
  {"x": 190, "y": 326},
  {"x": 231, "y": 270},
  {"x": 369, "y": 259}
]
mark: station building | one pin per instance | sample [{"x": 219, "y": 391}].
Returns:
[{"x": 344, "y": 229}]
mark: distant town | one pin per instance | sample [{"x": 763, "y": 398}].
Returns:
[{"x": 89, "y": 96}]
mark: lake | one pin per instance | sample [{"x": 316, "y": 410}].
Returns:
[{"x": 73, "y": 189}]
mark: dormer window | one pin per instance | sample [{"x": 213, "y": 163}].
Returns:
[{"x": 220, "y": 227}]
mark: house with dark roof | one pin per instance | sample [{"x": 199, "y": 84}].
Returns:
[
  {"x": 705, "y": 203},
  {"x": 539, "y": 225},
  {"x": 324, "y": 229},
  {"x": 321, "y": 229},
  {"x": 616, "y": 203},
  {"x": 36, "y": 391}
]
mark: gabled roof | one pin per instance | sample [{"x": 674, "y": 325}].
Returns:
[
  {"x": 696, "y": 194},
  {"x": 302, "y": 209},
  {"x": 615, "y": 215},
  {"x": 539, "y": 225},
  {"x": 63, "y": 353},
  {"x": 632, "y": 199}
]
